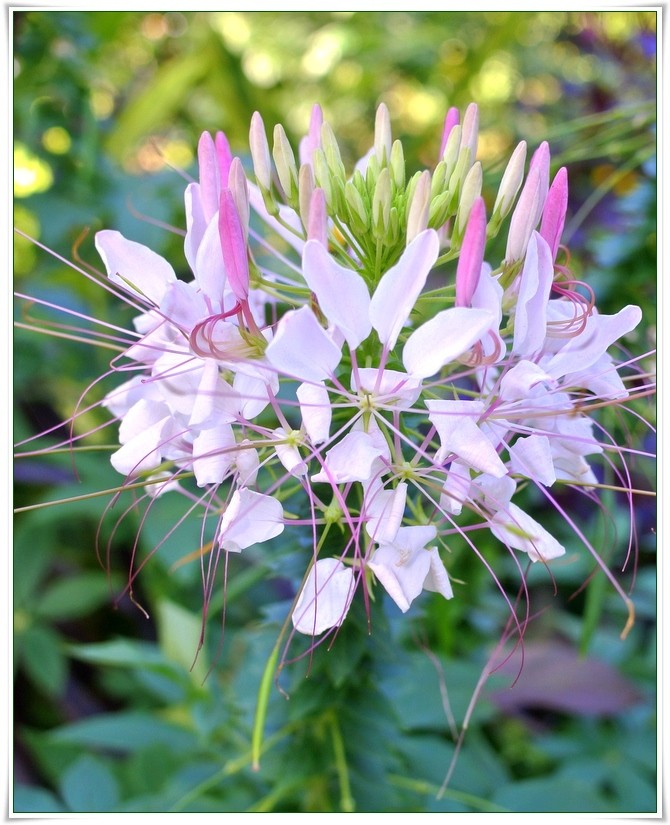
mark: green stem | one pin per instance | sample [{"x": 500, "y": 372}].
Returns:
[{"x": 347, "y": 802}]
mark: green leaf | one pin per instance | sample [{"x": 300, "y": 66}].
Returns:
[
  {"x": 76, "y": 596},
  {"x": 43, "y": 659},
  {"x": 551, "y": 795},
  {"x": 121, "y": 653},
  {"x": 89, "y": 786},
  {"x": 179, "y": 633},
  {"x": 124, "y": 732},
  {"x": 29, "y": 799}
]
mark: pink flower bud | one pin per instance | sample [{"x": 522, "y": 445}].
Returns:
[
  {"x": 312, "y": 139},
  {"x": 525, "y": 216},
  {"x": 209, "y": 178},
  {"x": 470, "y": 133},
  {"x": 452, "y": 119},
  {"x": 555, "y": 207},
  {"x": 237, "y": 183},
  {"x": 233, "y": 246},
  {"x": 472, "y": 254},
  {"x": 317, "y": 227},
  {"x": 260, "y": 152},
  {"x": 224, "y": 157},
  {"x": 540, "y": 161}
]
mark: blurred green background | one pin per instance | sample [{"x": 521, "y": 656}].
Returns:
[{"x": 109, "y": 714}]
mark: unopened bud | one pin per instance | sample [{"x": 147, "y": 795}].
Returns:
[
  {"x": 451, "y": 151},
  {"x": 472, "y": 189},
  {"x": 285, "y": 163},
  {"x": 452, "y": 119},
  {"x": 540, "y": 161},
  {"x": 317, "y": 225},
  {"x": 419, "y": 208},
  {"x": 510, "y": 183},
  {"x": 470, "y": 132},
  {"x": 233, "y": 246},
  {"x": 438, "y": 179},
  {"x": 358, "y": 214},
  {"x": 461, "y": 169},
  {"x": 524, "y": 219},
  {"x": 381, "y": 204},
  {"x": 224, "y": 157},
  {"x": 383, "y": 135},
  {"x": 471, "y": 256},
  {"x": 555, "y": 208},
  {"x": 305, "y": 189},
  {"x": 312, "y": 139},
  {"x": 397, "y": 165},
  {"x": 331, "y": 152},
  {"x": 260, "y": 152},
  {"x": 208, "y": 176},
  {"x": 322, "y": 176},
  {"x": 237, "y": 183}
]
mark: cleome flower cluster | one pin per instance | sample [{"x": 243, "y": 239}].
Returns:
[{"x": 346, "y": 356}]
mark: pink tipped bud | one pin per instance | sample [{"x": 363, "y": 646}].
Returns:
[
  {"x": 419, "y": 208},
  {"x": 383, "y": 137},
  {"x": 525, "y": 216},
  {"x": 312, "y": 139},
  {"x": 209, "y": 178},
  {"x": 452, "y": 119},
  {"x": 317, "y": 228},
  {"x": 224, "y": 157},
  {"x": 233, "y": 246},
  {"x": 540, "y": 161},
  {"x": 470, "y": 133},
  {"x": 472, "y": 254},
  {"x": 260, "y": 152},
  {"x": 237, "y": 183},
  {"x": 555, "y": 207}
]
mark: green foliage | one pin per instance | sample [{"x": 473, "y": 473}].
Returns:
[{"x": 116, "y": 712}]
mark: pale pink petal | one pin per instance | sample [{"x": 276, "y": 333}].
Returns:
[
  {"x": 133, "y": 266},
  {"x": 301, "y": 347},
  {"x": 342, "y": 294},
  {"x": 443, "y": 339},
  {"x": 455, "y": 422},
  {"x": 316, "y": 411},
  {"x": 325, "y": 598},
  {"x": 289, "y": 454},
  {"x": 392, "y": 387},
  {"x": 530, "y": 316},
  {"x": 249, "y": 518},
  {"x": 213, "y": 454},
  {"x": 531, "y": 457},
  {"x": 401, "y": 285},
  {"x": 518, "y": 530},
  {"x": 351, "y": 459},
  {"x": 385, "y": 509}
]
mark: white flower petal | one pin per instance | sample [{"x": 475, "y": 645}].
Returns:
[
  {"x": 250, "y": 518},
  {"x": 385, "y": 510},
  {"x": 316, "y": 411},
  {"x": 351, "y": 459},
  {"x": 518, "y": 530},
  {"x": 455, "y": 422},
  {"x": 213, "y": 454},
  {"x": 301, "y": 348},
  {"x": 531, "y": 457},
  {"x": 530, "y": 316},
  {"x": 444, "y": 338},
  {"x": 325, "y": 598},
  {"x": 401, "y": 285},
  {"x": 342, "y": 294},
  {"x": 133, "y": 266}
]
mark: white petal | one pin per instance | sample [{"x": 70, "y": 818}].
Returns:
[
  {"x": 325, "y": 598},
  {"x": 301, "y": 348},
  {"x": 385, "y": 510},
  {"x": 517, "y": 382},
  {"x": 247, "y": 463},
  {"x": 213, "y": 454},
  {"x": 401, "y": 285},
  {"x": 342, "y": 294},
  {"x": 518, "y": 530},
  {"x": 530, "y": 317},
  {"x": 531, "y": 457},
  {"x": 351, "y": 459},
  {"x": 289, "y": 455},
  {"x": 250, "y": 518},
  {"x": 444, "y": 338},
  {"x": 215, "y": 401},
  {"x": 455, "y": 422},
  {"x": 316, "y": 411},
  {"x": 456, "y": 488},
  {"x": 403, "y": 565},
  {"x": 392, "y": 387},
  {"x": 133, "y": 266},
  {"x": 437, "y": 580},
  {"x": 210, "y": 272}
]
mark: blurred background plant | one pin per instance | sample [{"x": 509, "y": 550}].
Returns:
[{"x": 110, "y": 714}]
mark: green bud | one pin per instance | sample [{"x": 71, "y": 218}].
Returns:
[
  {"x": 332, "y": 152},
  {"x": 381, "y": 204},
  {"x": 358, "y": 213},
  {"x": 439, "y": 179},
  {"x": 419, "y": 206},
  {"x": 383, "y": 135},
  {"x": 285, "y": 163},
  {"x": 440, "y": 210},
  {"x": 322, "y": 176},
  {"x": 460, "y": 170},
  {"x": 451, "y": 151},
  {"x": 397, "y": 165},
  {"x": 305, "y": 190},
  {"x": 472, "y": 189}
]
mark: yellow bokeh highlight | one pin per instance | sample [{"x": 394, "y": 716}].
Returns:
[
  {"x": 57, "y": 140},
  {"x": 31, "y": 174}
]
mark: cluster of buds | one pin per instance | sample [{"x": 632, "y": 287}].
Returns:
[{"x": 358, "y": 363}]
